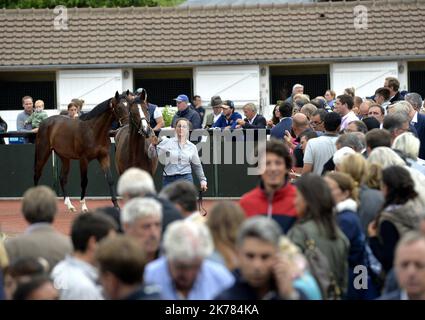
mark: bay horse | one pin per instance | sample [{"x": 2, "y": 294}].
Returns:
[
  {"x": 132, "y": 141},
  {"x": 84, "y": 139}
]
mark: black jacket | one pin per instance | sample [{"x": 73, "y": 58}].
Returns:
[
  {"x": 241, "y": 290},
  {"x": 397, "y": 97},
  {"x": 259, "y": 123}
]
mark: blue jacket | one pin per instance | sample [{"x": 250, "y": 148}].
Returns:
[
  {"x": 151, "y": 109},
  {"x": 349, "y": 223},
  {"x": 222, "y": 122},
  {"x": 278, "y": 131},
  {"x": 190, "y": 115},
  {"x": 395, "y": 295},
  {"x": 145, "y": 293}
]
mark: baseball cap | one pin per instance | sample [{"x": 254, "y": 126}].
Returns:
[
  {"x": 228, "y": 103},
  {"x": 182, "y": 97},
  {"x": 140, "y": 90}
]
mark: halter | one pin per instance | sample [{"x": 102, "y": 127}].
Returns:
[
  {"x": 138, "y": 126},
  {"x": 120, "y": 119}
]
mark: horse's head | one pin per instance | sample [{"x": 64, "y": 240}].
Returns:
[
  {"x": 120, "y": 108},
  {"x": 139, "y": 118}
]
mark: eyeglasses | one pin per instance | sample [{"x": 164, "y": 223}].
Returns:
[{"x": 182, "y": 126}]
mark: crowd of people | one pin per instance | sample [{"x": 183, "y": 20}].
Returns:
[{"x": 339, "y": 213}]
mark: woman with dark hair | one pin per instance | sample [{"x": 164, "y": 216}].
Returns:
[
  {"x": 275, "y": 118},
  {"x": 316, "y": 221},
  {"x": 402, "y": 212},
  {"x": 345, "y": 194}
]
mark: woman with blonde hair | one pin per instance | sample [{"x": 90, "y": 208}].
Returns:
[
  {"x": 408, "y": 145},
  {"x": 303, "y": 280},
  {"x": 224, "y": 221},
  {"x": 374, "y": 176},
  {"x": 385, "y": 157},
  {"x": 370, "y": 200}
]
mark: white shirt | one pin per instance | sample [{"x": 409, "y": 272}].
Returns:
[
  {"x": 414, "y": 119},
  {"x": 349, "y": 117},
  {"x": 76, "y": 280},
  {"x": 216, "y": 117},
  {"x": 253, "y": 118},
  {"x": 157, "y": 113}
]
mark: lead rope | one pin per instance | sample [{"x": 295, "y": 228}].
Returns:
[{"x": 201, "y": 208}]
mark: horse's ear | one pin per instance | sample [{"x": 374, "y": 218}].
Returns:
[
  {"x": 117, "y": 96},
  {"x": 127, "y": 92}
]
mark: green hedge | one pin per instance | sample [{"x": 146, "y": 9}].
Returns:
[{"x": 24, "y": 4}]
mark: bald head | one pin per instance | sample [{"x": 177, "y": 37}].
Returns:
[
  {"x": 364, "y": 108},
  {"x": 299, "y": 123}
]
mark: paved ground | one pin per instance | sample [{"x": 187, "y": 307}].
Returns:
[{"x": 12, "y": 222}]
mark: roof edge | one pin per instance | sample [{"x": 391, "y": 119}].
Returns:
[{"x": 208, "y": 63}]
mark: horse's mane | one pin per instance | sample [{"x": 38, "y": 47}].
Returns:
[{"x": 98, "y": 110}]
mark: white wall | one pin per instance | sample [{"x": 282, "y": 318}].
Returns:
[
  {"x": 127, "y": 80},
  {"x": 264, "y": 88},
  {"x": 241, "y": 84},
  {"x": 365, "y": 77},
  {"x": 93, "y": 86}
]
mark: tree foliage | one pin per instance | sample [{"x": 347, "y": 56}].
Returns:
[{"x": 24, "y": 4}]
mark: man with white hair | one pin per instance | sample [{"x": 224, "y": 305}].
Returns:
[
  {"x": 142, "y": 220},
  {"x": 136, "y": 182},
  {"x": 417, "y": 120},
  {"x": 408, "y": 145},
  {"x": 253, "y": 120},
  {"x": 183, "y": 272},
  {"x": 297, "y": 88}
]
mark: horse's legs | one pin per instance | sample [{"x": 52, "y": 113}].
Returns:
[
  {"x": 104, "y": 163},
  {"x": 63, "y": 181},
  {"x": 42, "y": 153},
  {"x": 83, "y": 174}
]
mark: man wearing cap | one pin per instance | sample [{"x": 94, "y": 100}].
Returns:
[
  {"x": 228, "y": 119},
  {"x": 185, "y": 112},
  {"x": 217, "y": 111},
  {"x": 156, "y": 120}
]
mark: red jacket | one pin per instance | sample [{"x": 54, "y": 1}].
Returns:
[{"x": 281, "y": 206}]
